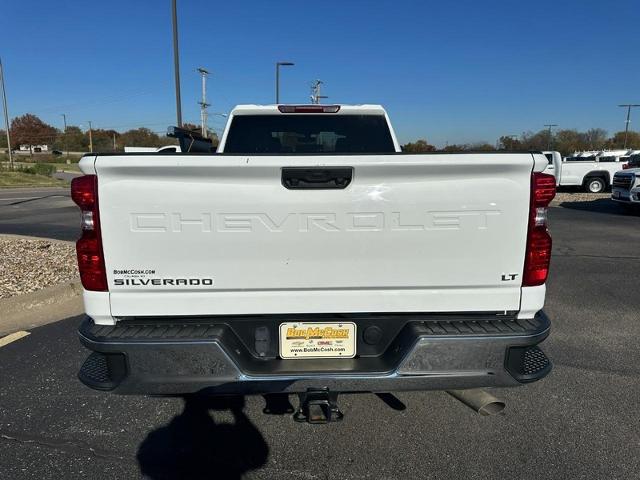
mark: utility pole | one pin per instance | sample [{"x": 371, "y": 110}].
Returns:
[
  {"x": 6, "y": 116},
  {"x": 176, "y": 62},
  {"x": 64, "y": 119},
  {"x": 114, "y": 142},
  {"x": 203, "y": 104},
  {"x": 315, "y": 92},
  {"x": 278, "y": 65},
  {"x": 549, "y": 126},
  {"x": 626, "y": 128},
  {"x": 90, "y": 138}
]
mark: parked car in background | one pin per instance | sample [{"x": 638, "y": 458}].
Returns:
[
  {"x": 591, "y": 170},
  {"x": 628, "y": 163},
  {"x": 626, "y": 183}
]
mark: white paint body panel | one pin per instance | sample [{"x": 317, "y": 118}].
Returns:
[
  {"x": 423, "y": 233},
  {"x": 573, "y": 173},
  {"x": 555, "y": 164}
]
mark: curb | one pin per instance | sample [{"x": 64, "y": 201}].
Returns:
[{"x": 48, "y": 305}]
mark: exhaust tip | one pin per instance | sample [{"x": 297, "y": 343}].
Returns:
[
  {"x": 480, "y": 401},
  {"x": 492, "y": 408}
]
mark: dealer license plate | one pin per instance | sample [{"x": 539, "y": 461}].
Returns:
[{"x": 317, "y": 340}]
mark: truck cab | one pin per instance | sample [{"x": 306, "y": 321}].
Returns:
[{"x": 555, "y": 164}]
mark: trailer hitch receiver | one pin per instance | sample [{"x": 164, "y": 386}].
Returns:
[{"x": 318, "y": 406}]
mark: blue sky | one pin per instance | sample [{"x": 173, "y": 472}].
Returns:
[{"x": 453, "y": 72}]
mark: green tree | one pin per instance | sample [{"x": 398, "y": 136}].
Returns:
[
  {"x": 480, "y": 147},
  {"x": 454, "y": 148},
  {"x": 73, "y": 140},
  {"x": 140, "y": 137},
  {"x": 568, "y": 141},
  {"x": 30, "y": 130},
  {"x": 103, "y": 140},
  {"x": 595, "y": 139},
  {"x": 536, "y": 141},
  {"x": 633, "y": 140},
  {"x": 419, "y": 146},
  {"x": 509, "y": 142}
]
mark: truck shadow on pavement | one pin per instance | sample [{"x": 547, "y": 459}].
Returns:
[
  {"x": 194, "y": 446},
  {"x": 602, "y": 205}
]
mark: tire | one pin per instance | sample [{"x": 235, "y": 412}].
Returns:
[{"x": 594, "y": 185}]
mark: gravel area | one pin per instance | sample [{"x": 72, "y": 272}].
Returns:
[
  {"x": 562, "y": 197},
  {"x": 28, "y": 265}
]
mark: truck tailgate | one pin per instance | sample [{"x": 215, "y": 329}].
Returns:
[{"x": 220, "y": 234}]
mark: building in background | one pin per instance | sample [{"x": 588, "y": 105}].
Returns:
[{"x": 33, "y": 148}]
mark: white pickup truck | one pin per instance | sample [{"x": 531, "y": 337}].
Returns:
[
  {"x": 593, "y": 171},
  {"x": 310, "y": 255}
]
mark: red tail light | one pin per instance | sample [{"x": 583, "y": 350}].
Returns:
[
  {"x": 84, "y": 192},
  {"x": 538, "y": 253}
]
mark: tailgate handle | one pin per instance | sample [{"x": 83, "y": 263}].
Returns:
[{"x": 308, "y": 178}]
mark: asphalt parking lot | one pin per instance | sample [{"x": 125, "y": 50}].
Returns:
[
  {"x": 580, "y": 422},
  {"x": 39, "y": 212}
]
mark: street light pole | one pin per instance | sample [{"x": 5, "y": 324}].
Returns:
[
  {"x": 278, "y": 65},
  {"x": 6, "y": 116},
  {"x": 626, "y": 128},
  {"x": 549, "y": 126},
  {"x": 176, "y": 61}
]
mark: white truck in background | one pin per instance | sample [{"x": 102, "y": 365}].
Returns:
[
  {"x": 310, "y": 256},
  {"x": 591, "y": 170}
]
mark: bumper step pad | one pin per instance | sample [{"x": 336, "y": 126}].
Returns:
[
  {"x": 103, "y": 371},
  {"x": 527, "y": 364}
]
